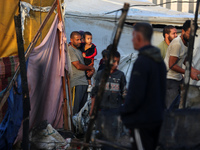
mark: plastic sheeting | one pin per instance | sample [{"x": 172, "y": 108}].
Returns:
[{"x": 11, "y": 123}]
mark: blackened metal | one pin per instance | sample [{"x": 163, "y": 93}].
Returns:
[
  {"x": 188, "y": 62},
  {"x": 25, "y": 91}
]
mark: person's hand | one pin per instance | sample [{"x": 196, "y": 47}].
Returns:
[
  {"x": 92, "y": 69},
  {"x": 90, "y": 73},
  {"x": 84, "y": 55},
  {"x": 194, "y": 76},
  {"x": 195, "y": 70}
]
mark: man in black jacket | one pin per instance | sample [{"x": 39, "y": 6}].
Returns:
[{"x": 144, "y": 105}]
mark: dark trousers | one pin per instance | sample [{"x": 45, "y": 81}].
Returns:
[
  {"x": 172, "y": 92},
  {"x": 79, "y": 97},
  {"x": 149, "y": 137}
]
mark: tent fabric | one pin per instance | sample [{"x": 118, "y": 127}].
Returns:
[
  {"x": 8, "y": 66},
  {"x": 32, "y": 19},
  {"x": 102, "y": 26},
  {"x": 139, "y": 11},
  {"x": 44, "y": 81},
  {"x": 8, "y": 44},
  {"x": 10, "y": 125},
  {"x": 32, "y": 22}
]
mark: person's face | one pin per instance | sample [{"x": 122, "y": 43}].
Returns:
[
  {"x": 186, "y": 35},
  {"x": 76, "y": 41},
  {"x": 88, "y": 39},
  {"x": 172, "y": 34},
  {"x": 135, "y": 40},
  {"x": 115, "y": 63}
]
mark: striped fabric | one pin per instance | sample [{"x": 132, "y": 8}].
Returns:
[
  {"x": 188, "y": 6},
  {"x": 8, "y": 66}
]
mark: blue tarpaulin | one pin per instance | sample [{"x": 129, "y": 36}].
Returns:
[{"x": 11, "y": 123}]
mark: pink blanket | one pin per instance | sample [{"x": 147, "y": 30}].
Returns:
[{"x": 45, "y": 68}]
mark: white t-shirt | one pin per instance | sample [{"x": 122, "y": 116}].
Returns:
[{"x": 178, "y": 49}]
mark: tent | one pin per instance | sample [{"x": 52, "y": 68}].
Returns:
[
  {"x": 32, "y": 20},
  {"x": 97, "y": 16},
  {"x": 47, "y": 61},
  {"x": 100, "y": 16}
]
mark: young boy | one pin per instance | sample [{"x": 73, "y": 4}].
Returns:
[
  {"x": 115, "y": 89},
  {"x": 89, "y": 51},
  {"x": 113, "y": 98}
]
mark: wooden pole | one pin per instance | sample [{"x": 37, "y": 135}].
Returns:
[
  {"x": 67, "y": 77},
  {"x": 70, "y": 100},
  {"x": 65, "y": 109}
]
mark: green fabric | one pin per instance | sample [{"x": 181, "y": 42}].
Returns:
[{"x": 163, "y": 48}]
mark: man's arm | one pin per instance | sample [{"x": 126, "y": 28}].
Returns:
[
  {"x": 173, "y": 60},
  {"x": 83, "y": 67}
]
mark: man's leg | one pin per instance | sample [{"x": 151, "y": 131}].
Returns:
[
  {"x": 79, "y": 97},
  {"x": 134, "y": 142},
  {"x": 149, "y": 137},
  {"x": 145, "y": 138},
  {"x": 84, "y": 96},
  {"x": 173, "y": 90}
]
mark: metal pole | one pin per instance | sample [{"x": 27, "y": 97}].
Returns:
[
  {"x": 25, "y": 91},
  {"x": 188, "y": 63}
]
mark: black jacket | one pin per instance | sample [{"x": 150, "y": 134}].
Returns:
[{"x": 145, "y": 101}]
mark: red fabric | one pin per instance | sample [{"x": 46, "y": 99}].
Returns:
[
  {"x": 8, "y": 66},
  {"x": 93, "y": 55}
]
